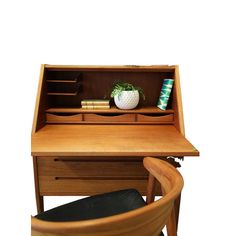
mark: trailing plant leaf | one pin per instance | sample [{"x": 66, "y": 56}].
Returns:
[{"x": 119, "y": 87}]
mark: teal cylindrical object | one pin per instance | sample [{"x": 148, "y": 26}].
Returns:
[{"x": 165, "y": 93}]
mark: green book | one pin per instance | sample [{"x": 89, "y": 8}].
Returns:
[{"x": 165, "y": 93}]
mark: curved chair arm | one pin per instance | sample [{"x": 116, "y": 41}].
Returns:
[{"x": 171, "y": 182}]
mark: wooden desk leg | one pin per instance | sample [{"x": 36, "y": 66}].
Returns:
[
  {"x": 39, "y": 199},
  {"x": 39, "y": 202}
]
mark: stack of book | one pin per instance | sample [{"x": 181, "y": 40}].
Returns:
[{"x": 95, "y": 104}]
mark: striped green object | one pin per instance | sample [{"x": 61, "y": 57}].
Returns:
[
  {"x": 93, "y": 102},
  {"x": 165, "y": 93}
]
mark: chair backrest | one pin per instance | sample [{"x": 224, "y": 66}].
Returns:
[{"x": 145, "y": 221}]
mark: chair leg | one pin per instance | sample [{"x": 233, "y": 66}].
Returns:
[
  {"x": 177, "y": 207},
  {"x": 171, "y": 224},
  {"x": 174, "y": 219},
  {"x": 151, "y": 189}
]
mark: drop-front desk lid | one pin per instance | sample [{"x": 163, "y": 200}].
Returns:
[{"x": 111, "y": 140}]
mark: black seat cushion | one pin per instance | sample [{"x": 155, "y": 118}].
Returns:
[{"x": 96, "y": 206}]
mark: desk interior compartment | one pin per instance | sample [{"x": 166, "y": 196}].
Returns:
[
  {"x": 155, "y": 118},
  {"x": 63, "y": 118},
  {"x": 62, "y": 84},
  {"x": 65, "y": 88},
  {"x": 110, "y": 117}
]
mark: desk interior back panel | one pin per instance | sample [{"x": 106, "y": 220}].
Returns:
[{"x": 98, "y": 85}]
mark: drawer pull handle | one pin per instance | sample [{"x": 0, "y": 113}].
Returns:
[
  {"x": 67, "y": 160},
  {"x": 91, "y": 160},
  {"x": 103, "y": 178}
]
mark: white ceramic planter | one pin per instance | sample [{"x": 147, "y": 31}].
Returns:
[{"x": 127, "y": 99}]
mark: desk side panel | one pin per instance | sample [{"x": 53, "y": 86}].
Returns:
[
  {"x": 40, "y": 104},
  {"x": 177, "y": 104}
]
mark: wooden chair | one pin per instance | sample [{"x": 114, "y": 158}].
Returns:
[{"x": 147, "y": 220}]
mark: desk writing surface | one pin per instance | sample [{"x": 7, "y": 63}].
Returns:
[{"x": 111, "y": 140}]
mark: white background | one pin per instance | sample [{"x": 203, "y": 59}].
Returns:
[{"x": 197, "y": 35}]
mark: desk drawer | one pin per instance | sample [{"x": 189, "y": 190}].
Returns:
[
  {"x": 155, "y": 118},
  {"x": 109, "y": 118},
  {"x": 82, "y": 167},
  {"x": 86, "y": 176},
  {"x": 49, "y": 186},
  {"x": 51, "y": 118}
]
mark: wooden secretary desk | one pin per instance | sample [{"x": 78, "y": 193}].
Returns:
[{"x": 88, "y": 151}]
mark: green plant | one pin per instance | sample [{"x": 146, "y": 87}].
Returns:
[{"x": 119, "y": 87}]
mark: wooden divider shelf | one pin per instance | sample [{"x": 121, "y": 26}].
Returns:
[
  {"x": 63, "y": 86},
  {"x": 61, "y": 81},
  {"x": 62, "y": 94},
  {"x": 113, "y": 109}
]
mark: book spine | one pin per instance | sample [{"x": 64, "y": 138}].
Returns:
[
  {"x": 94, "y": 103},
  {"x": 95, "y": 106},
  {"x": 165, "y": 93}
]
